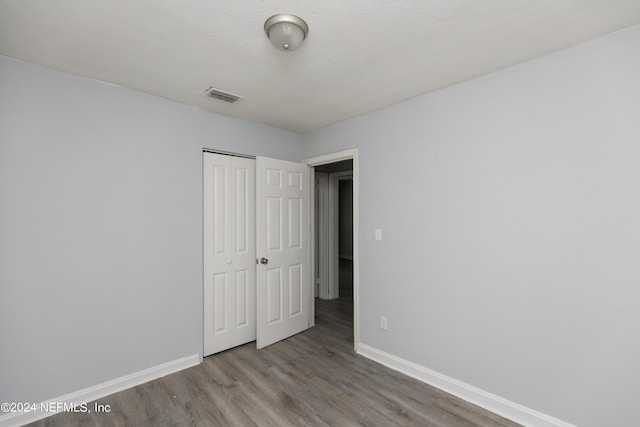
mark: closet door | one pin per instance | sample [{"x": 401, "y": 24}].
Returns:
[
  {"x": 283, "y": 246},
  {"x": 229, "y": 252}
]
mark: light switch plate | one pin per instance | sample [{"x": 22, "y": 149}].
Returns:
[{"x": 378, "y": 234}]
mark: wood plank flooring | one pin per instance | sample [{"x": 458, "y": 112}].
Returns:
[{"x": 311, "y": 379}]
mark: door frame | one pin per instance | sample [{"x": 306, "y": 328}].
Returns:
[{"x": 321, "y": 160}]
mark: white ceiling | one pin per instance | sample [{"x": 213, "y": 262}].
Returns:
[{"x": 360, "y": 55}]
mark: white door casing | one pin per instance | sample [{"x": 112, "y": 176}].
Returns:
[
  {"x": 331, "y": 158},
  {"x": 229, "y": 252},
  {"x": 283, "y": 232}
]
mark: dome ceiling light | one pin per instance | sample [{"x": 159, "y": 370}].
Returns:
[{"x": 286, "y": 32}]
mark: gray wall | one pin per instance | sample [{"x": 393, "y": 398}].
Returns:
[
  {"x": 510, "y": 206},
  {"x": 101, "y": 227}
]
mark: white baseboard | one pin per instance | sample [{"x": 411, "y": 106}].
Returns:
[
  {"x": 101, "y": 390},
  {"x": 496, "y": 404}
]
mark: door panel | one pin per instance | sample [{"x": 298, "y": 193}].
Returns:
[
  {"x": 229, "y": 258},
  {"x": 242, "y": 309},
  {"x": 295, "y": 290},
  {"x": 274, "y": 290},
  {"x": 283, "y": 238},
  {"x": 274, "y": 219}
]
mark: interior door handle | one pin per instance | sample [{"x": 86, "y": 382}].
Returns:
[{"x": 264, "y": 261}]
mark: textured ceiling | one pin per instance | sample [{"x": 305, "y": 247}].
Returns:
[{"x": 360, "y": 55}]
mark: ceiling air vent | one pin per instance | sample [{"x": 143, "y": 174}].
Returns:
[{"x": 216, "y": 93}]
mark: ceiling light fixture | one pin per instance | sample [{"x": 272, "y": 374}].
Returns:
[{"x": 286, "y": 32}]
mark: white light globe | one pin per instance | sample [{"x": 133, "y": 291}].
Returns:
[{"x": 286, "y": 36}]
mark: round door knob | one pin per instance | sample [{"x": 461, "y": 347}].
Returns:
[
  {"x": 264, "y": 261},
  {"x": 228, "y": 262}
]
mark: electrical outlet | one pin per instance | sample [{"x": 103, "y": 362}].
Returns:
[{"x": 383, "y": 323}]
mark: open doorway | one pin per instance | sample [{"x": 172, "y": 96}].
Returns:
[
  {"x": 334, "y": 229},
  {"x": 335, "y": 278}
]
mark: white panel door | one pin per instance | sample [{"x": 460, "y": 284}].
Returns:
[
  {"x": 283, "y": 195},
  {"x": 229, "y": 252}
]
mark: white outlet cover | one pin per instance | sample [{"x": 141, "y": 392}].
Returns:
[{"x": 378, "y": 234}]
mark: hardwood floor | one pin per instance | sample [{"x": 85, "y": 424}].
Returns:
[{"x": 311, "y": 379}]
